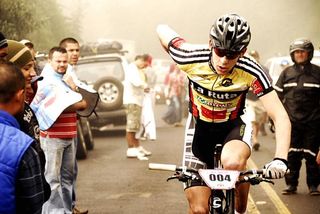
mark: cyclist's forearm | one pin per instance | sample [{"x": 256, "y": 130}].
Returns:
[
  {"x": 318, "y": 157},
  {"x": 282, "y": 127},
  {"x": 281, "y": 121}
]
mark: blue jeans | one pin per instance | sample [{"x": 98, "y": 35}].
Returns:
[{"x": 59, "y": 174}]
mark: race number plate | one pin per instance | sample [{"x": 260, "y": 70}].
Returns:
[{"x": 219, "y": 178}]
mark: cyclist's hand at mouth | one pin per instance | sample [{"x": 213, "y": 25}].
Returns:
[{"x": 276, "y": 168}]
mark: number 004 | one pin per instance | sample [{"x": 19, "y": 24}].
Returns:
[{"x": 219, "y": 177}]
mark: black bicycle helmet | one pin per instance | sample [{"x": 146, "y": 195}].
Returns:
[
  {"x": 302, "y": 44},
  {"x": 230, "y": 32}
]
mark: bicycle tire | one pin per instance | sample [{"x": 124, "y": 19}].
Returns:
[{"x": 222, "y": 202}]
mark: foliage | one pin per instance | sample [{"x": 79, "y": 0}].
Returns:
[{"x": 41, "y": 22}]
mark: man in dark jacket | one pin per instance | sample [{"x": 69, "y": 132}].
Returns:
[
  {"x": 21, "y": 185},
  {"x": 299, "y": 90}
]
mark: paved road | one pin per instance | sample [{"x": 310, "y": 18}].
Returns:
[{"x": 110, "y": 183}]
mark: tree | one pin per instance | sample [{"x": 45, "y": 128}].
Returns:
[
  {"x": 17, "y": 18},
  {"x": 41, "y": 22}
]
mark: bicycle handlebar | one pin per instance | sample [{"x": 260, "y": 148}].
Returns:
[
  {"x": 170, "y": 167},
  {"x": 254, "y": 172},
  {"x": 252, "y": 176},
  {"x": 161, "y": 166},
  {"x": 175, "y": 168}
]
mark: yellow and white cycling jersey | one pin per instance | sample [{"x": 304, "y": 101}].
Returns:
[{"x": 214, "y": 97}]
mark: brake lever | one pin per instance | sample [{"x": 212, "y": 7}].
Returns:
[
  {"x": 184, "y": 177},
  {"x": 174, "y": 177},
  {"x": 255, "y": 179},
  {"x": 267, "y": 180}
]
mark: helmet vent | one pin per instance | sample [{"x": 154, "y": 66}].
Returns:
[{"x": 230, "y": 32}]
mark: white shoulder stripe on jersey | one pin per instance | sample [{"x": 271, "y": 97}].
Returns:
[
  {"x": 251, "y": 62},
  {"x": 189, "y": 53},
  {"x": 180, "y": 60},
  {"x": 255, "y": 70}
]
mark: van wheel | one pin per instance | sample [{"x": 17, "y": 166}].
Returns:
[
  {"x": 110, "y": 91},
  {"x": 82, "y": 151},
  {"x": 87, "y": 133}
]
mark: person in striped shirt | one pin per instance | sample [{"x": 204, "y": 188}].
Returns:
[
  {"x": 220, "y": 75},
  {"x": 58, "y": 139}
]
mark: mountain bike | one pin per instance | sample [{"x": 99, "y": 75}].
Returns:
[{"x": 222, "y": 182}]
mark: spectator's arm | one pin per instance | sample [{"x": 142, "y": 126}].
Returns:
[
  {"x": 81, "y": 105},
  {"x": 29, "y": 185}
]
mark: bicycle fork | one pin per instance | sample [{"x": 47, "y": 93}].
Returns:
[{"x": 221, "y": 201}]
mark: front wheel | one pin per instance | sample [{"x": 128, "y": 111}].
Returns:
[{"x": 222, "y": 202}]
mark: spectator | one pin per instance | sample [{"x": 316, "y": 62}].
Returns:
[
  {"x": 256, "y": 113},
  {"x": 30, "y": 45},
  {"x": 20, "y": 56},
  {"x": 298, "y": 89},
  {"x": 176, "y": 95},
  {"x": 21, "y": 184},
  {"x": 73, "y": 49},
  {"x": 25, "y": 62},
  {"x": 58, "y": 128},
  {"x": 134, "y": 87},
  {"x": 3, "y": 47},
  {"x": 148, "y": 123}
]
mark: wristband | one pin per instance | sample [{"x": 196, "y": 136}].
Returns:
[{"x": 283, "y": 160}]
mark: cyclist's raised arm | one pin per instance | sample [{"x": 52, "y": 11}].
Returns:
[
  {"x": 182, "y": 52},
  {"x": 166, "y": 34}
]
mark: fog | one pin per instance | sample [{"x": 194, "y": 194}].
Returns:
[{"x": 274, "y": 23}]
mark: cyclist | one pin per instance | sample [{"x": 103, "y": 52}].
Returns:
[{"x": 219, "y": 77}]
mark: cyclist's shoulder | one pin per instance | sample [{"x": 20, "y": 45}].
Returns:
[{"x": 249, "y": 65}]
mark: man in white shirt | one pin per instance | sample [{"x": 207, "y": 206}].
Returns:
[{"x": 135, "y": 85}]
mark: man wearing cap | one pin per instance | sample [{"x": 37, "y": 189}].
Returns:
[
  {"x": 3, "y": 47},
  {"x": 21, "y": 57},
  {"x": 30, "y": 45}
]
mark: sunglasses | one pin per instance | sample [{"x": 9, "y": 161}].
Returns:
[{"x": 229, "y": 54}]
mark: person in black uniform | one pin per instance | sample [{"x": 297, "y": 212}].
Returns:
[{"x": 298, "y": 88}]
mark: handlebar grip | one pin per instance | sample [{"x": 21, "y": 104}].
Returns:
[
  {"x": 254, "y": 171},
  {"x": 261, "y": 171},
  {"x": 161, "y": 166}
]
